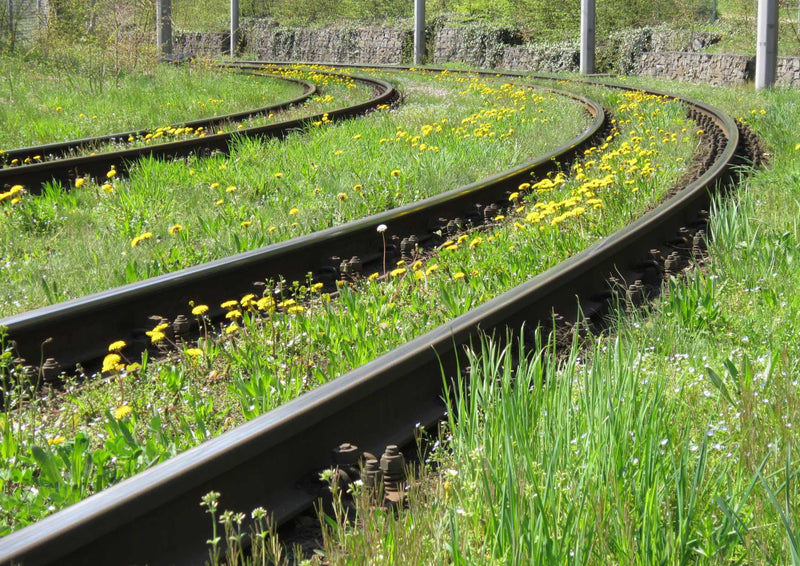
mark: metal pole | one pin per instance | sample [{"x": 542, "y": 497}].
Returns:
[
  {"x": 419, "y": 31},
  {"x": 767, "y": 43},
  {"x": 587, "y": 36},
  {"x": 234, "y": 27},
  {"x": 164, "y": 26}
]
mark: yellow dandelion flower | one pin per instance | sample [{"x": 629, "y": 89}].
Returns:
[
  {"x": 452, "y": 247},
  {"x": 233, "y": 303},
  {"x": 175, "y": 229},
  {"x": 459, "y": 275},
  {"x": 194, "y": 352},
  {"x": 79, "y": 182},
  {"x": 231, "y": 328},
  {"x": 56, "y": 440},
  {"x": 230, "y": 189},
  {"x": 358, "y": 187},
  {"x": 395, "y": 173},
  {"x": 116, "y": 346},
  {"x": 247, "y": 300},
  {"x": 122, "y": 411},
  {"x": 156, "y": 336},
  {"x": 374, "y": 276},
  {"x": 431, "y": 269},
  {"x": 246, "y": 223},
  {"x": 200, "y": 310},
  {"x": 111, "y": 362},
  {"x": 294, "y": 210},
  {"x": 397, "y": 272},
  {"x": 278, "y": 175},
  {"x": 233, "y": 314},
  {"x": 214, "y": 185},
  {"x": 266, "y": 304},
  {"x": 342, "y": 197},
  {"x": 295, "y": 309},
  {"x": 287, "y": 303},
  {"x": 108, "y": 187},
  {"x": 16, "y": 189},
  {"x": 316, "y": 287},
  {"x": 111, "y": 173}
]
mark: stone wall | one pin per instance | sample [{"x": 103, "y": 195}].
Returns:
[
  {"x": 202, "y": 44},
  {"x": 476, "y": 46},
  {"x": 375, "y": 45},
  {"x": 713, "y": 69},
  {"x": 557, "y": 58},
  {"x": 272, "y": 42},
  {"x": 788, "y": 73}
]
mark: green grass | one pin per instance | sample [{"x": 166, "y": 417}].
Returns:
[
  {"x": 65, "y": 244},
  {"x": 42, "y": 103},
  {"x": 269, "y": 353}
]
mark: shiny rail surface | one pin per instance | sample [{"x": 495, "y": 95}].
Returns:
[
  {"x": 155, "y": 517},
  {"x": 67, "y": 169}
]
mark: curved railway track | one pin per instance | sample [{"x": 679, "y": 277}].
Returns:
[
  {"x": 61, "y": 166},
  {"x": 124, "y": 312},
  {"x": 155, "y": 516}
]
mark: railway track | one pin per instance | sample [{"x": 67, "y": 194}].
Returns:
[
  {"x": 155, "y": 517},
  {"x": 124, "y": 312},
  {"x": 60, "y": 165}
]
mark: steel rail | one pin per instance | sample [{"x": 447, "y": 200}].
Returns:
[
  {"x": 123, "y": 313},
  {"x": 155, "y": 517},
  {"x": 66, "y": 170}
]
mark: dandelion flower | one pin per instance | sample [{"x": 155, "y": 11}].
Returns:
[
  {"x": 459, "y": 275},
  {"x": 200, "y": 310},
  {"x": 246, "y": 223},
  {"x": 374, "y": 276},
  {"x": 381, "y": 228},
  {"x": 395, "y": 173},
  {"x": 111, "y": 173},
  {"x": 156, "y": 336},
  {"x": 111, "y": 362},
  {"x": 214, "y": 185},
  {"x": 122, "y": 411},
  {"x": 116, "y": 346},
  {"x": 294, "y": 210},
  {"x": 278, "y": 175},
  {"x": 230, "y": 189},
  {"x": 342, "y": 197},
  {"x": 230, "y": 304},
  {"x": 295, "y": 309},
  {"x": 175, "y": 229},
  {"x": 194, "y": 352},
  {"x": 397, "y": 272},
  {"x": 79, "y": 182},
  {"x": 358, "y": 187},
  {"x": 233, "y": 314},
  {"x": 56, "y": 440},
  {"x": 230, "y": 329},
  {"x": 108, "y": 187}
]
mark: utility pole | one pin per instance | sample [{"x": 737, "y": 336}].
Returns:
[
  {"x": 419, "y": 31},
  {"x": 234, "y": 27},
  {"x": 164, "y": 26},
  {"x": 767, "y": 43},
  {"x": 587, "y": 37}
]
